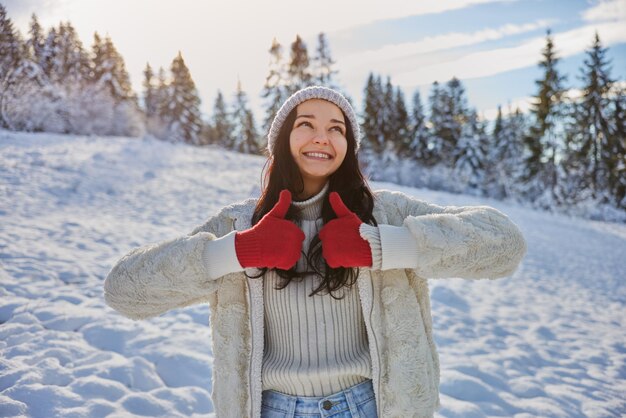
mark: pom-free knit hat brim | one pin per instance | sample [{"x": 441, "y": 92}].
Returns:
[{"x": 308, "y": 93}]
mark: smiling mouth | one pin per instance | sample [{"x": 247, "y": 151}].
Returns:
[{"x": 318, "y": 155}]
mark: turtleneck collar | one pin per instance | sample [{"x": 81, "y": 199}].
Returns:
[{"x": 311, "y": 209}]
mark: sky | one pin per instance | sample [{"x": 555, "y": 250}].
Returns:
[{"x": 492, "y": 46}]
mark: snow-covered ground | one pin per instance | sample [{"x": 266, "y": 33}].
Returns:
[{"x": 547, "y": 342}]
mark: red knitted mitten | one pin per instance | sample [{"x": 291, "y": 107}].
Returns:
[
  {"x": 273, "y": 242},
  {"x": 342, "y": 245}
]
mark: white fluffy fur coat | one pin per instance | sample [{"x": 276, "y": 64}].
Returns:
[{"x": 469, "y": 242}]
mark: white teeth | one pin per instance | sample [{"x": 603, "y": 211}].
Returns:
[{"x": 317, "y": 154}]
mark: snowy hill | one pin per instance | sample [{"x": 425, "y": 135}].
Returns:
[{"x": 548, "y": 341}]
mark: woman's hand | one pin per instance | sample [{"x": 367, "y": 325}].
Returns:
[
  {"x": 273, "y": 242},
  {"x": 342, "y": 245}
]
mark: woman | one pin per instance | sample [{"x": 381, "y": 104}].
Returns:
[{"x": 319, "y": 305}]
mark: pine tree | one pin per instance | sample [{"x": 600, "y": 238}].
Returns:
[
  {"x": 448, "y": 114},
  {"x": 436, "y": 120},
  {"x": 542, "y": 140},
  {"x": 245, "y": 137},
  {"x": 388, "y": 125},
  {"x": 10, "y": 46},
  {"x": 222, "y": 124},
  {"x": 458, "y": 115},
  {"x": 274, "y": 91},
  {"x": 29, "y": 102},
  {"x": 323, "y": 64},
  {"x": 492, "y": 169},
  {"x": 617, "y": 177},
  {"x": 36, "y": 41},
  {"x": 98, "y": 58},
  {"x": 70, "y": 63},
  {"x": 503, "y": 156},
  {"x": 156, "y": 102},
  {"x": 400, "y": 127},
  {"x": 149, "y": 94},
  {"x": 372, "y": 137},
  {"x": 592, "y": 132},
  {"x": 161, "y": 93},
  {"x": 418, "y": 133},
  {"x": 512, "y": 157},
  {"x": 299, "y": 73},
  {"x": 470, "y": 152},
  {"x": 108, "y": 68},
  {"x": 183, "y": 115},
  {"x": 574, "y": 181}
]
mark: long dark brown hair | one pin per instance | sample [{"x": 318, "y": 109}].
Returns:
[{"x": 281, "y": 172}]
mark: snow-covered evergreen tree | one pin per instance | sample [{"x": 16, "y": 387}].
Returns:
[
  {"x": 245, "y": 136},
  {"x": 512, "y": 155},
  {"x": 437, "y": 119},
  {"x": 182, "y": 112},
  {"x": 418, "y": 132},
  {"x": 222, "y": 132},
  {"x": 470, "y": 154},
  {"x": 49, "y": 52},
  {"x": 387, "y": 118},
  {"x": 156, "y": 102},
  {"x": 399, "y": 117},
  {"x": 543, "y": 142},
  {"x": 323, "y": 71},
  {"x": 372, "y": 136},
  {"x": 274, "y": 90},
  {"x": 456, "y": 116},
  {"x": 448, "y": 114},
  {"x": 298, "y": 71},
  {"x": 590, "y": 137},
  {"x": 29, "y": 102},
  {"x": 504, "y": 155},
  {"x": 70, "y": 64},
  {"x": 98, "y": 58},
  {"x": 110, "y": 81},
  {"x": 10, "y": 47},
  {"x": 161, "y": 93},
  {"x": 617, "y": 179},
  {"x": 149, "y": 92},
  {"x": 36, "y": 41},
  {"x": 109, "y": 69}
]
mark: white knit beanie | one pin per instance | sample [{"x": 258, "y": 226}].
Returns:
[{"x": 313, "y": 92}]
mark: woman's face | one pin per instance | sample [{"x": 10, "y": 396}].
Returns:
[{"x": 318, "y": 140}]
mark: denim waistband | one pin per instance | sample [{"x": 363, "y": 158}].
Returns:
[{"x": 327, "y": 405}]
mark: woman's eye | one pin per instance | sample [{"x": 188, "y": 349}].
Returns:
[
  {"x": 338, "y": 128},
  {"x": 305, "y": 124}
]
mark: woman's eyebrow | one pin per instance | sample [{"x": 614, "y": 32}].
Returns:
[{"x": 313, "y": 117}]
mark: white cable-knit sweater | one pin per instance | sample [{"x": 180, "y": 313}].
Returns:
[
  {"x": 469, "y": 242},
  {"x": 314, "y": 345}
]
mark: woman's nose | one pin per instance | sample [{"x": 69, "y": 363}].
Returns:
[{"x": 320, "y": 138}]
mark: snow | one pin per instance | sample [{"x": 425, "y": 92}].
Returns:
[{"x": 547, "y": 341}]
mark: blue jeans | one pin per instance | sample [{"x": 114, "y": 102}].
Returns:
[{"x": 355, "y": 401}]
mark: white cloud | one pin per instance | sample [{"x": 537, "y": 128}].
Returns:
[
  {"x": 437, "y": 43},
  {"x": 495, "y": 61},
  {"x": 332, "y": 15},
  {"x": 606, "y": 10}
]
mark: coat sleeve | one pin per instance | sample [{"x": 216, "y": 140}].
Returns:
[
  {"x": 470, "y": 242},
  {"x": 156, "y": 278}
]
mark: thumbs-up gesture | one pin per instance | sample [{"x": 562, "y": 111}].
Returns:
[
  {"x": 273, "y": 242},
  {"x": 342, "y": 245}
]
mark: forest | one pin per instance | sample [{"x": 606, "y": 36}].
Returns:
[{"x": 567, "y": 154}]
